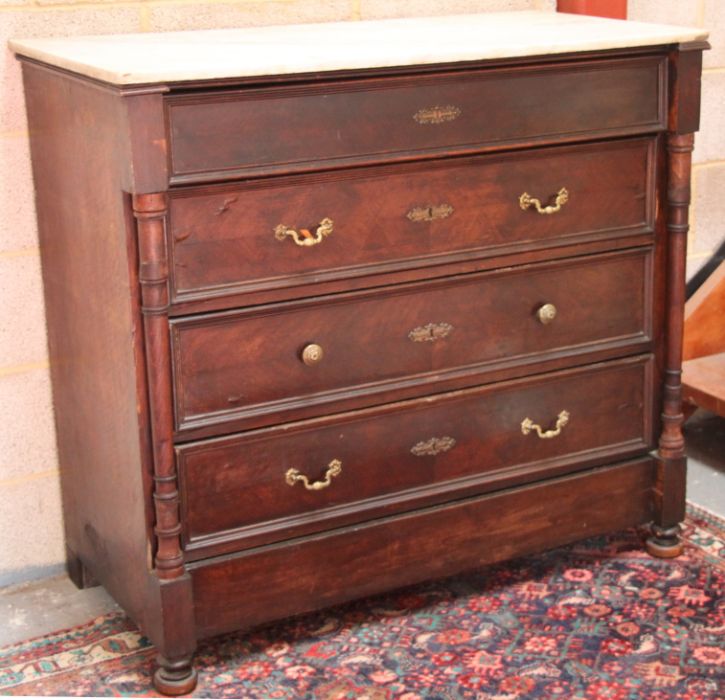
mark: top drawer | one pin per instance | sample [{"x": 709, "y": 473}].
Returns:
[{"x": 295, "y": 128}]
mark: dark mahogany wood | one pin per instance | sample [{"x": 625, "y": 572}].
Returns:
[
  {"x": 248, "y": 364},
  {"x": 222, "y": 238},
  {"x": 400, "y": 456},
  {"x": 685, "y": 68},
  {"x": 291, "y": 129},
  {"x": 399, "y": 272},
  {"x": 175, "y": 315},
  {"x": 149, "y": 211},
  {"x": 91, "y": 304},
  {"x": 665, "y": 541},
  {"x": 96, "y": 350},
  {"x": 314, "y": 572},
  {"x": 685, "y": 87}
]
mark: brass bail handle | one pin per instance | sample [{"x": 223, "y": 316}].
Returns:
[
  {"x": 527, "y": 425},
  {"x": 562, "y": 197},
  {"x": 293, "y": 476},
  {"x": 304, "y": 237}
]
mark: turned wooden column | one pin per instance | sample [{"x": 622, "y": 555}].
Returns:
[
  {"x": 684, "y": 71},
  {"x": 175, "y": 675},
  {"x": 672, "y": 465},
  {"x": 150, "y": 213}
]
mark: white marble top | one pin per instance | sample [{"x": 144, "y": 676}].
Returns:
[{"x": 133, "y": 59}]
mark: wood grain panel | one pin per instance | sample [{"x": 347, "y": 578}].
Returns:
[
  {"x": 235, "y": 494},
  {"x": 225, "y": 134},
  {"x": 222, "y": 238},
  {"x": 92, "y": 309},
  {"x": 248, "y": 362},
  {"x": 319, "y": 571}
]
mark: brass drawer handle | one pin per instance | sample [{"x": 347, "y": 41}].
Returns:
[
  {"x": 527, "y": 425},
  {"x": 562, "y": 197},
  {"x": 334, "y": 468},
  {"x": 430, "y": 332},
  {"x": 437, "y": 114},
  {"x": 547, "y": 313},
  {"x": 312, "y": 354},
  {"x": 305, "y": 237},
  {"x": 434, "y": 446},
  {"x": 430, "y": 213}
]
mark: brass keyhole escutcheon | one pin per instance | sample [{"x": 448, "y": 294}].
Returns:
[
  {"x": 546, "y": 314},
  {"x": 312, "y": 354}
]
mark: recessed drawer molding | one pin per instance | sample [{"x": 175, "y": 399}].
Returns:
[
  {"x": 304, "y": 127},
  {"x": 374, "y": 341},
  {"x": 235, "y": 496},
  {"x": 251, "y": 237}
]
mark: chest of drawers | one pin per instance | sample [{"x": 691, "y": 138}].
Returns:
[{"x": 323, "y": 330}]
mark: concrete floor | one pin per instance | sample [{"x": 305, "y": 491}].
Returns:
[{"x": 40, "y": 607}]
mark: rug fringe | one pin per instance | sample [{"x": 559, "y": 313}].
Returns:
[{"x": 696, "y": 507}]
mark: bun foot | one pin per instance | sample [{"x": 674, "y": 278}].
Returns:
[
  {"x": 175, "y": 677},
  {"x": 664, "y": 543}
]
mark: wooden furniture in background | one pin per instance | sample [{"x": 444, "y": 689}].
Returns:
[
  {"x": 703, "y": 351},
  {"x": 320, "y": 333}
]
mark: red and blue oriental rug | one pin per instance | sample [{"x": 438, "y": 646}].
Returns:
[{"x": 598, "y": 619}]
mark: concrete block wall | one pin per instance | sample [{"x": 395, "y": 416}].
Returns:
[
  {"x": 707, "y": 216},
  {"x": 31, "y": 540}
]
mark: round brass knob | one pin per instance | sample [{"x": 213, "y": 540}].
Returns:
[
  {"x": 546, "y": 314},
  {"x": 312, "y": 354}
]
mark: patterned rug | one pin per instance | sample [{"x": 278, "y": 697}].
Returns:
[{"x": 599, "y": 619}]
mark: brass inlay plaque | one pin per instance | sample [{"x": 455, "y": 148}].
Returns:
[
  {"x": 430, "y": 332},
  {"x": 434, "y": 446},
  {"x": 437, "y": 114},
  {"x": 430, "y": 213}
]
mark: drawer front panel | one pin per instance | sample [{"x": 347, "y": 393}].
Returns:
[
  {"x": 318, "y": 572},
  {"x": 252, "y": 362},
  {"x": 223, "y": 239},
  {"x": 392, "y": 457},
  {"x": 259, "y": 131}
]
